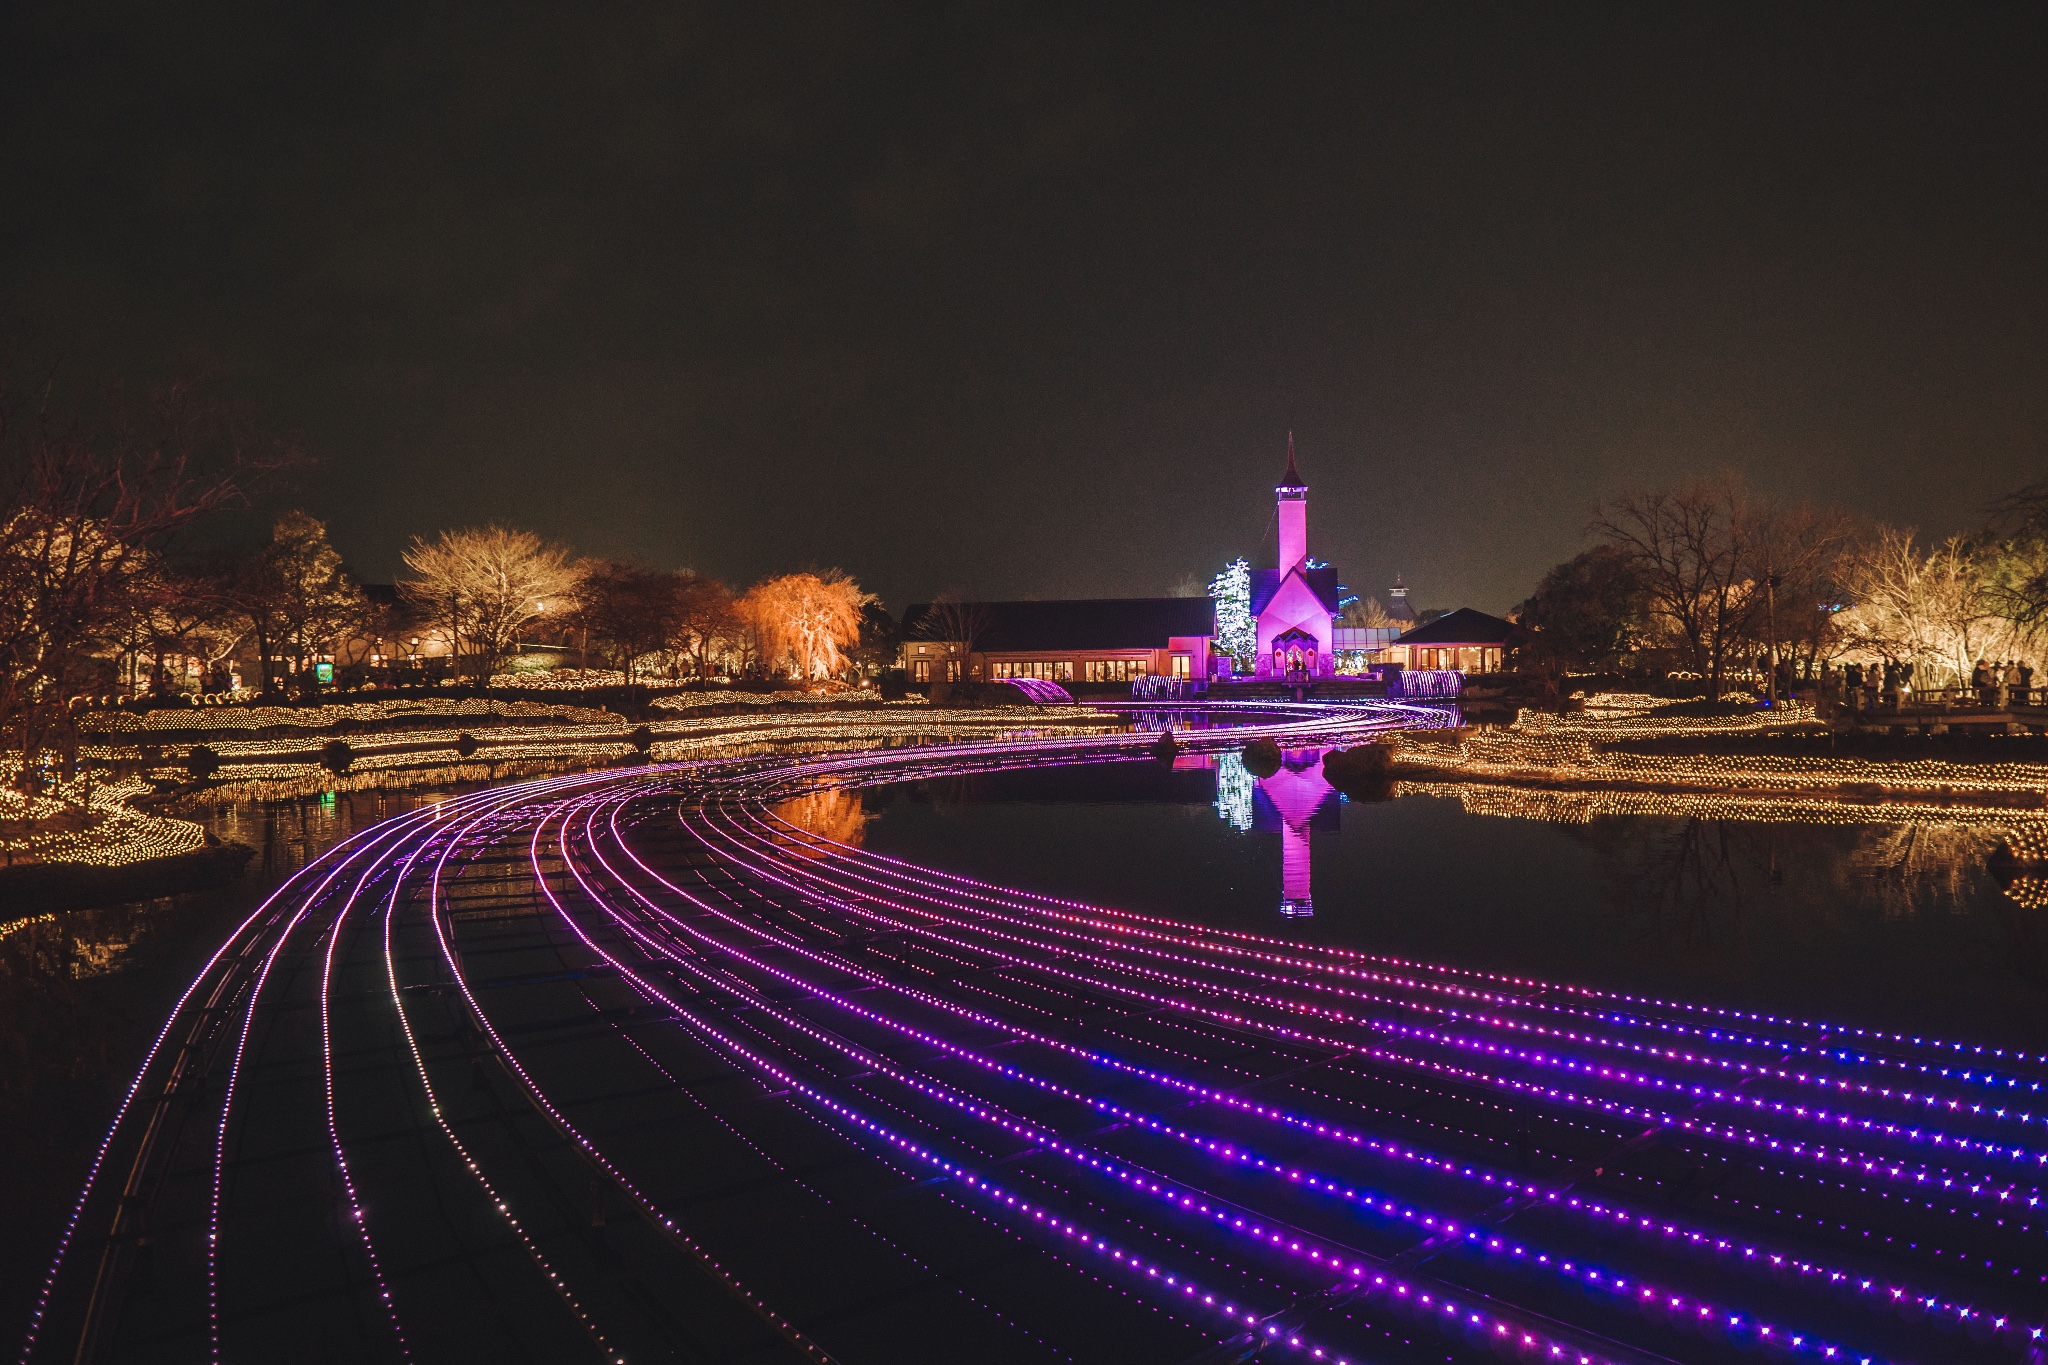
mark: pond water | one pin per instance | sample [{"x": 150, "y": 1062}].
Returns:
[
  {"x": 1907, "y": 928},
  {"x": 1902, "y": 926},
  {"x": 81, "y": 997}
]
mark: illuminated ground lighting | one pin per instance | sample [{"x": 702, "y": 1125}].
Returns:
[{"x": 1549, "y": 767}]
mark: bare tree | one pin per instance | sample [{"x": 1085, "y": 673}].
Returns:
[
  {"x": 1794, "y": 555},
  {"x": 1935, "y": 607},
  {"x": 369, "y": 624},
  {"x": 93, "y": 496},
  {"x": 958, "y": 623},
  {"x": 628, "y": 611},
  {"x": 706, "y": 623},
  {"x": 191, "y": 611},
  {"x": 2019, "y": 540},
  {"x": 483, "y": 586},
  {"x": 1367, "y": 613},
  {"x": 1692, "y": 550},
  {"x": 296, "y": 598}
]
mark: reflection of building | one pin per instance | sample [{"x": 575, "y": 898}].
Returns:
[
  {"x": 1295, "y": 604},
  {"x": 1292, "y": 802}
]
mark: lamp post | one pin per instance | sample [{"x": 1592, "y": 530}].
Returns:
[{"x": 1771, "y": 582}]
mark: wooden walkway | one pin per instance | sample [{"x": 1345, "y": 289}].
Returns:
[{"x": 1939, "y": 717}]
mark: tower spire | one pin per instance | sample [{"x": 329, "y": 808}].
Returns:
[{"x": 1292, "y": 495}]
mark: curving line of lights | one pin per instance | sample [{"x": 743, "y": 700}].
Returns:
[{"x": 1288, "y": 994}]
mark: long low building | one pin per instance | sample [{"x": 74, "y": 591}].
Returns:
[
  {"x": 1107, "y": 639},
  {"x": 1463, "y": 641}
]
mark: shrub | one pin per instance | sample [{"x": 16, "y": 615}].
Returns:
[
  {"x": 466, "y": 745},
  {"x": 202, "y": 763},
  {"x": 643, "y": 738},
  {"x": 1367, "y": 760},
  {"x": 1262, "y": 758},
  {"x": 1163, "y": 748},
  {"x": 336, "y": 755},
  {"x": 1365, "y": 772}
]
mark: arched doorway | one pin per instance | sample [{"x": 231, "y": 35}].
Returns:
[{"x": 1295, "y": 655}]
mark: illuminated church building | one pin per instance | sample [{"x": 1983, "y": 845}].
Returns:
[{"x": 1296, "y": 604}]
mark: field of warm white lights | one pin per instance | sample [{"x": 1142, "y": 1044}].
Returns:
[
  {"x": 1573, "y": 767},
  {"x": 93, "y": 820}
]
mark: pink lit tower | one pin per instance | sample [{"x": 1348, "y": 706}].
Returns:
[
  {"x": 1296, "y": 602},
  {"x": 1301, "y": 799}
]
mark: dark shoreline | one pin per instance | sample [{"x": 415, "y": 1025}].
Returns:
[{"x": 40, "y": 888}]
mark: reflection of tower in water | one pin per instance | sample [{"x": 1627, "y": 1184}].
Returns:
[{"x": 1292, "y": 802}]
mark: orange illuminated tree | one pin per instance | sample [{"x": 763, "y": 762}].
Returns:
[{"x": 804, "y": 620}]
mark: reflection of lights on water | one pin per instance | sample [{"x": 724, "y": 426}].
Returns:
[
  {"x": 289, "y": 768},
  {"x": 2029, "y": 891},
  {"x": 24, "y": 922},
  {"x": 1519, "y": 764},
  {"x": 835, "y": 813},
  {"x": 1234, "y": 787},
  {"x": 1245, "y": 1000}
]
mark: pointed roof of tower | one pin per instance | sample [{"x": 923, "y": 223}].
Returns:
[
  {"x": 1292, "y": 479},
  {"x": 1398, "y": 610}
]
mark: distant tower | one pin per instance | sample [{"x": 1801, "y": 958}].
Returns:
[
  {"x": 1294, "y": 604},
  {"x": 1398, "y": 610},
  {"x": 1293, "y": 512}
]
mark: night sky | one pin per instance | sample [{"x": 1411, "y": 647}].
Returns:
[{"x": 1022, "y": 301}]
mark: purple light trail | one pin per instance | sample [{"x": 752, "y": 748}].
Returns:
[{"x": 859, "y": 1109}]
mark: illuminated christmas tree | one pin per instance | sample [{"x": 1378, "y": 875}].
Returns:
[{"x": 1237, "y": 634}]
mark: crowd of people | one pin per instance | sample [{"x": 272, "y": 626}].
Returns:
[
  {"x": 1889, "y": 686},
  {"x": 2008, "y": 683}
]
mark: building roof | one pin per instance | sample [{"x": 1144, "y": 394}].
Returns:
[
  {"x": 1463, "y": 627},
  {"x": 1398, "y": 610},
  {"x": 1083, "y": 623},
  {"x": 1322, "y": 581},
  {"x": 1292, "y": 478}
]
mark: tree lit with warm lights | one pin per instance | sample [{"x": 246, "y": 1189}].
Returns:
[
  {"x": 484, "y": 586},
  {"x": 805, "y": 621}
]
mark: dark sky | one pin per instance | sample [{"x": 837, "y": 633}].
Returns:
[{"x": 1024, "y": 300}]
